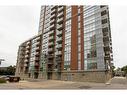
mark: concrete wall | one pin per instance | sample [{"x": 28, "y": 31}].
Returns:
[
  {"x": 80, "y": 76},
  {"x": 86, "y": 76}
]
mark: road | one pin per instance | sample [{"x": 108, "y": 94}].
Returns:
[{"x": 115, "y": 83}]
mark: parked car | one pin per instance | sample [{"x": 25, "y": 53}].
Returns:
[
  {"x": 6, "y": 77},
  {"x": 14, "y": 79}
]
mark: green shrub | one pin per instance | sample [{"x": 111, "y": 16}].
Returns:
[{"x": 2, "y": 80}]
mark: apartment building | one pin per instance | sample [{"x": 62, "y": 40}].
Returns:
[
  {"x": 28, "y": 59},
  {"x": 75, "y": 44}
]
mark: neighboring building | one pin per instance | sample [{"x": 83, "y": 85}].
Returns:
[
  {"x": 75, "y": 45},
  {"x": 28, "y": 59}
]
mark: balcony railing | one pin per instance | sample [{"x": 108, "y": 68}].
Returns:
[
  {"x": 26, "y": 60},
  {"x": 28, "y": 47},
  {"x": 51, "y": 37},
  {"x": 28, "y": 43},
  {"x": 53, "y": 11},
  {"x": 51, "y": 44},
  {"x": 37, "y": 48},
  {"x": 61, "y": 14},
  {"x": 59, "y": 46},
  {"x": 51, "y": 32},
  {"x": 59, "y": 33},
  {"x": 60, "y": 9},
  {"x": 52, "y": 21},
  {"x": 50, "y": 49},
  {"x": 59, "y": 40},
  {"x": 59, "y": 27},
  {"x": 52, "y": 26},
  {"x": 58, "y": 53},
  {"x": 36, "y": 64},
  {"x": 37, "y": 54},
  {"x": 53, "y": 16},
  {"x": 60, "y": 20}
]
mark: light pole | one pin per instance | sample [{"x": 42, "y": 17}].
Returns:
[{"x": 1, "y": 61}]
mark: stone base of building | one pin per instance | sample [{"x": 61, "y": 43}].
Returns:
[{"x": 99, "y": 76}]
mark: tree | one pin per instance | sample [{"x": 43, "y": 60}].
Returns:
[
  {"x": 124, "y": 68},
  {"x": 9, "y": 71},
  {"x": 113, "y": 70}
]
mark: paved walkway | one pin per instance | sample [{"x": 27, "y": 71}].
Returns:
[{"x": 115, "y": 83}]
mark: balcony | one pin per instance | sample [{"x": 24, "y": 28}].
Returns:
[
  {"x": 36, "y": 58},
  {"x": 36, "y": 64},
  {"x": 60, "y": 20},
  {"x": 50, "y": 44},
  {"x": 107, "y": 57},
  {"x": 59, "y": 40},
  {"x": 53, "y": 16},
  {"x": 50, "y": 70},
  {"x": 28, "y": 47},
  {"x": 59, "y": 46},
  {"x": 39, "y": 40},
  {"x": 51, "y": 32},
  {"x": 61, "y": 14},
  {"x": 50, "y": 56},
  {"x": 60, "y": 8},
  {"x": 53, "y": 11},
  {"x": 50, "y": 50},
  {"x": 58, "y": 59},
  {"x": 37, "y": 48},
  {"x": 38, "y": 44},
  {"x": 26, "y": 60},
  {"x": 59, "y": 27},
  {"x": 105, "y": 25},
  {"x": 26, "y": 65},
  {"x": 52, "y": 27},
  {"x": 59, "y": 33},
  {"x": 106, "y": 45},
  {"x": 26, "y": 56},
  {"x": 27, "y": 52},
  {"x": 58, "y": 53},
  {"x": 28, "y": 43},
  {"x": 104, "y": 8},
  {"x": 104, "y": 17},
  {"x": 51, "y": 38},
  {"x": 37, "y": 54},
  {"x": 52, "y": 21},
  {"x": 53, "y": 7},
  {"x": 106, "y": 39},
  {"x": 50, "y": 62}
]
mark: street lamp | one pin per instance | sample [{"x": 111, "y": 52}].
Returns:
[{"x": 1, "y": 60}]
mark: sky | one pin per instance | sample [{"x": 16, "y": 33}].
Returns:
[{"x": 19, "y": 23}]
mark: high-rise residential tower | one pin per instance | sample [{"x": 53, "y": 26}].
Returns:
[{"x": 75, "y": 44}]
